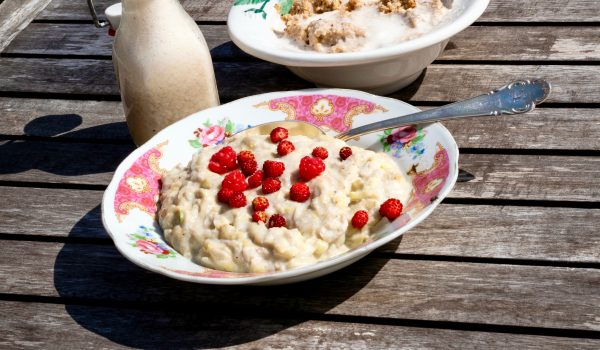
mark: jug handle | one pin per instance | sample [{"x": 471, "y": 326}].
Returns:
[{"x": 97, "y": 22}]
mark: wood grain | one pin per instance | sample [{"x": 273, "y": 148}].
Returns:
[
  {"x": 15, "y": 16},
  {"x": 497, "y": 11},
  {"x": 544, "y": 128},
  {"x": 441, "y": 82},
  {"x": 496, "y": 176},
  {"x": 504, "y": 43},
  {"x": 529, "y": 296},
  {"x": 84, "y": 39},
  {"x": 87, "y": 327},
  {"x": 530, "y": 177},
  {"x": 479, "y": 231},
  {"x": 69, "y": 119}
]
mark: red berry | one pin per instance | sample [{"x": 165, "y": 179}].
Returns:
[
  {"x": 311, "y": 167},
  {"x": 270, "y": 185},
  {"x": 225, "y": 157},
  {"x": 285, "y": 147},
  {"x": 224, "y": 195},
  {"x": 391, "y": 209},
  {"x": 216, "y": 168},
  {"x": 299, "y": 192},
  {"x": 249, "y": 167},
  {"x": 320, "y": 152},
  {"x": 255, "y": 179},
  {"x": 345, "y": 152},
  {"x": 235, "y": 181},
  {"x": 258, "y": 216},
  {"x": 276, "y": 220},
  {"x": 260, "y": 203},
  {"x": 272, "y": 168},
  {"x": 237, "y": 200},
  {"x": 245, "y": 156},
  {"x": 278, "y": 134},
  {"x": 360, "y": 218}
]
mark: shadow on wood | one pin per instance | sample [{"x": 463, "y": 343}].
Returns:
[
  {"x": 159, "y": 312},
  {"x": 63, "y": 125},
  {"x": 63, "y": 158}
]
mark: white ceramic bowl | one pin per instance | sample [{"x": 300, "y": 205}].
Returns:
[
  {"x": 428, "y": 155},
  {"x": 380, "y": 71}
]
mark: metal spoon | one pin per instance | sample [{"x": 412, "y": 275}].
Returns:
[{"x": 517, "y": 97}]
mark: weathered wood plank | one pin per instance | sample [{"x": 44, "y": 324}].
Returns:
[
  {"x": 441, "y": 82},
  {"x": 544, "y": 128},
  {"x": 60, "y": 162},
  {"x": 90, "y": 327},
  {"x": 498, "y": 10},
  {"x": 481, "y": 231},
  {"x": 70, "y": 119},
  {"x": 529, "y": 296},
  {"x": 530, "y": 177},
  {"x": 542, "y": 11},
  {"x": 84, "y": 39},
  {"x": 15, "y": 16},
  {"x": 496, "y": 176},
  {"x": 502, "y": 43}
]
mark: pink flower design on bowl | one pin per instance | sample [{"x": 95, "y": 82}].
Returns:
[
  {"x": 402, "y": 134},
  {"x": 211, "y": 134},
  {"x": 148, "y": 247}
]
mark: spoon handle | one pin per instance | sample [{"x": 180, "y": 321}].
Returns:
[{"x": 515, "y": 98}]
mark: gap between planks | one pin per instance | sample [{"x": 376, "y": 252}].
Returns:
[
  {"x": 509, "y": 45},
  {"x": 503, "y": 295},
  {"x": 189, "y": 329},
  {"x": 497, "y": 11}
]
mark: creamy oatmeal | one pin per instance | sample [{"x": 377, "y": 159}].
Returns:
[
  {"x": 306, "y": 226},
  {"x": 357, "y": 25}
]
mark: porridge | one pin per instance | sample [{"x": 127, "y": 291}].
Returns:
[
  {"x": 357, "y": 25},
  {"x": 272, "y": 202}
]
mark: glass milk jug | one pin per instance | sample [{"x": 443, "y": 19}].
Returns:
[{"x": 163, "y": 66}]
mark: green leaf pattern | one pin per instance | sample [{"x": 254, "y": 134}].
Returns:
[{"x": 257, "y": 10}]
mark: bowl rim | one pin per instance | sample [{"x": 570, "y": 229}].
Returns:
[
  {"x": 109, "y": 193},
  {"x": 318, "y": 59}
]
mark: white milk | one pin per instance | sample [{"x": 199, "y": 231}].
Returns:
[{"x": 163, "y": 66}]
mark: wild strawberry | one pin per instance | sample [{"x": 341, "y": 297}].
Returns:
[
  {"x": 276, "y": 220},
  {"x": 260, "y": 203},
  {"x": 311, "y": 167},
  {"x": 345, "y": 152},
  {"x": 225, "y": 157},
  {"x": 249, "y": 167},
  {"x": 224, "y": 195},
  {"x": 255, "y": 179},
  {"x": 278, "y": 134},
  {"x": 234, "y": 181},
  {"x": 237, "y": 200},
  {"x": 272, "y": 168},
  {"x": 270, "y": 185},
  {"x": 244, "y": 156},
  {"x": 320, "y": 152},
  {"x": 360, "y": 218},
  {"x": 285, "y": 147},
  {"x": 216, "y": 168},
  {"x": 258, "y": 216},
  {"x": 299, "y": 192},
  {"x": 391, "y": 208}
]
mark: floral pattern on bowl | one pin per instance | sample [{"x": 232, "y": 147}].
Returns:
[
  {"x": 330, "y": 112},
  {"x": 428, "y": 155}
]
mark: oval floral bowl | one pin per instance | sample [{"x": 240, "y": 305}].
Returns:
[{"x": 427, "y": 154}]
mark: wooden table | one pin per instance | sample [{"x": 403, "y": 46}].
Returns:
[{"x": 510, "y": 260}]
